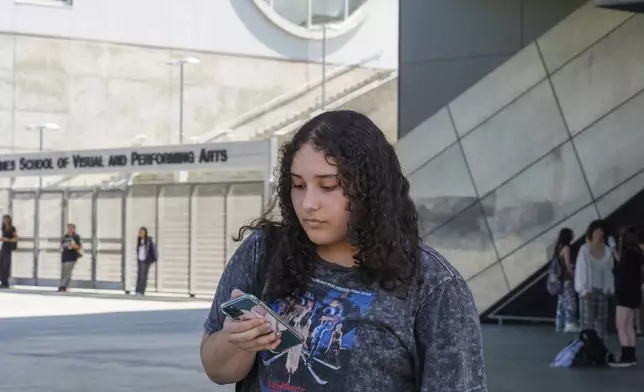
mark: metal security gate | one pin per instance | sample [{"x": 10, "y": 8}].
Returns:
[
  {"x": 193, "y": 225},
  {"x": 41, "y": 219}
]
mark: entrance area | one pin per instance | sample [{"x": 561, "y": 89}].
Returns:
[{"x": 193, "y": 225}]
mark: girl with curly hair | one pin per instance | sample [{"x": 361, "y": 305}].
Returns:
[{"x": 343, "y": 233}]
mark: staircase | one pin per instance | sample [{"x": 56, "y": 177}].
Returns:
[
  {"x": 305, "y": 112},
  {"x": 346, "y": 97},
  {"x": 284, "y": 109}
]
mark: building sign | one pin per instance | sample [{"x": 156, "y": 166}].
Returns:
[{"x": 213, "y": 156}]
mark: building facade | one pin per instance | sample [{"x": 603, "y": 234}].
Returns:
[
  {"x": 106, "y": 72},
  {"x": 530, "y": 117},
  {"x": 100, "y": 68}
]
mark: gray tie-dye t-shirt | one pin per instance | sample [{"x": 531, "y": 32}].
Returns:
[{"x": 362, "y": 338}]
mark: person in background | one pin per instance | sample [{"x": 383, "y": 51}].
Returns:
[
  {"x": 566, "y": 319},
  {"x": 594, "y": 280},
  {"x": 628, "y": 293},
  {"x": 71, "y": 250},
  {"x": 146, "y": 254},
  {"x": 9, "y": 243}
]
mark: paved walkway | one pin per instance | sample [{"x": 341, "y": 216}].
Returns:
[
  {"x": 67, "y": 343},
  {"x": 517, "y": 359},
  {"x": 13, "y": 305}
]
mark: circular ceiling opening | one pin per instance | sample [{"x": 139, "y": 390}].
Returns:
[{"x": 312, "y": 19}]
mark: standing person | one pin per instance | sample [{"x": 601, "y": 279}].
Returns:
[
  {"x": 566, "y": 319},
  {"x": 628, "y": 293},
  {"x": 594, "y": 279},
  {"x": 9, "y": 244},
  {"x": 345, "y": 236},
  {"x": 146, "y": 254},
  {"x": 71, "y": 250}
]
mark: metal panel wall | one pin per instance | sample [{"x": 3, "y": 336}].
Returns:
[
  {"x": 108, "y": 222},
  {"x": 193, "y": 225},
  {"x": 208, "y": 224},
  {"x": 174, "y": 237},
  {"x": 80, "y": 207},
  {"x": 49, "y": 226},
  {"x": 22, "y": 209}
]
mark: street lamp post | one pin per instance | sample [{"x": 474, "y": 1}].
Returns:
[
  {"x": 40, "y": 128},
  {"x": 324, "y": 66},
  {"x": 181, "y": 62},
  {"x": 324, "y": 27}
]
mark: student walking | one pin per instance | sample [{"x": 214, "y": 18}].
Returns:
[{"x": 71, "y": 250}]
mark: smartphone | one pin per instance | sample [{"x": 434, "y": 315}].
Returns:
[{"x": 250, "y": 306}]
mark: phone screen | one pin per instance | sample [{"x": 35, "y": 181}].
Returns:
[{"x": 248, "y": 307}]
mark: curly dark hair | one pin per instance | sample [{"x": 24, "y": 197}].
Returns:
[
  {"x": 383, "y": 223},
  {"x": 566, "y": 236}
]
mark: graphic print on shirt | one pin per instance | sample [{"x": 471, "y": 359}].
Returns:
[{"x": 326, "y": 316}]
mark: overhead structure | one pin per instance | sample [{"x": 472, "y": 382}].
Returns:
[
  {"x": 235, "y": 156},
  {"x": 192, "y": 222},
  {"x": 624, "y": 5}
]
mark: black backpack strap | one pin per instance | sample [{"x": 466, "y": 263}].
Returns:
[{"x": 260, "y": 252}]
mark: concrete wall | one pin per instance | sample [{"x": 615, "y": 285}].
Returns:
[
  {"x": 104, "y": 94},
  {"x": 550, "y": 139},
  {"x": 223, "y": 26},
  {"x": 447, "y": 46},
  {"x": 99, "y": 68},
  {"x": 381, "y": 105}
]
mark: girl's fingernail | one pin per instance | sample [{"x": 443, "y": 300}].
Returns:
[{"x": 278, "y": 334}]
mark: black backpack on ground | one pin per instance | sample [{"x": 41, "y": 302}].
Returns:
[{"x": 594, "y": 351}]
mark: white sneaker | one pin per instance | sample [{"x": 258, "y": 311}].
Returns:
[
  {"x": 572, "y": 328},
  {"x": 622, "y": 364}
]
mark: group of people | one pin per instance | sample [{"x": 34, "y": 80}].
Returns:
[
  {"x": 605, "y": 271},
  {"x": 71, "y": 250}
]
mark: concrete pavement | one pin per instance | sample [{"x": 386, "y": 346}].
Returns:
[{"x": 66, "y": 343}]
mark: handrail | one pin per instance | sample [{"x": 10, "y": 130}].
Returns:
[
  {"x": 286, "y": 97},
  {"x": 341, "y": 100},
  {"x": 304, "y": 88}
]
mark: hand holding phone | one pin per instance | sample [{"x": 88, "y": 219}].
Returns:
[
  {"x": 251, "y": 333},
  {"x": 248, "y": 308}
]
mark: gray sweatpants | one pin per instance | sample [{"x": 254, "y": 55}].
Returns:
[{"x": 66, "y": 273}]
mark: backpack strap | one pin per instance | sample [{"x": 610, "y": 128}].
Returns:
[{"x": 260, "y": 251}]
